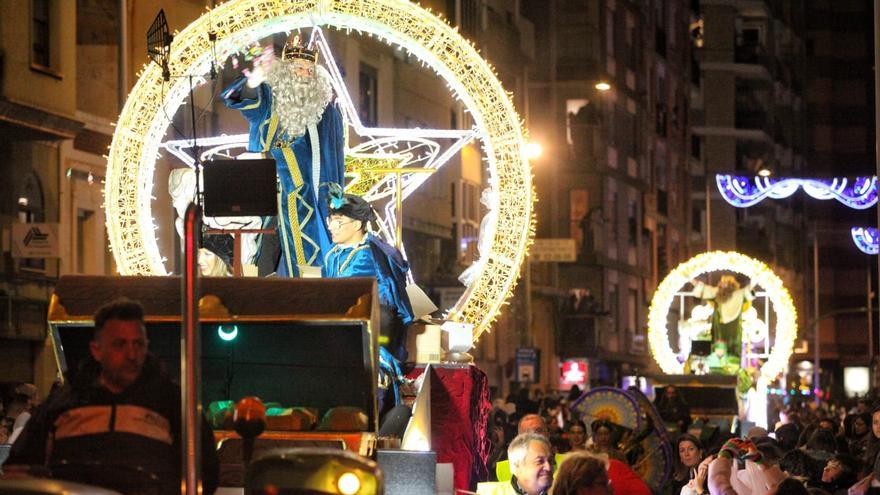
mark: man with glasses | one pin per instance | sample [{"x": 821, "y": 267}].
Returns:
[
  {"x": 355, "y": 252},
  {"x": 358, "y": 253}
]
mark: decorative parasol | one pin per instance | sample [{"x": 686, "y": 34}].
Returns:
[
  {"x": 654, "y": 461},
  {"x": 610, "y": 404},
  {"x": 649, "y": 411}
]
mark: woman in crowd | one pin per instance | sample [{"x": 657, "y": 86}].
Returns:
[
  {"x": 581, "y": 474},
  {"x": 603, "y": 440},
  {"x": 577, "y": 436},
  {"x": 689, "y": 455},
  {"x": 673, "y": 409},
  {"x": 873, "y": 445},
  {"x": 839, "y": 474},
  {"x": 858, "y": 433}
]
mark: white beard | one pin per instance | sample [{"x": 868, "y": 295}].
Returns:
[{"x": 299, "y": 102}]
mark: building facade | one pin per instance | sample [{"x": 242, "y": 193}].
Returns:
[{"x": 839, "y": 99}]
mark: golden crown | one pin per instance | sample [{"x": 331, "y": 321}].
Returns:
[{"x": 295, "y": 49}]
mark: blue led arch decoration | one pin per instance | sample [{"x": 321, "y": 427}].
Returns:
[
  {"x": 867, "y": 239},
  {"x": 743, "y": 191}
]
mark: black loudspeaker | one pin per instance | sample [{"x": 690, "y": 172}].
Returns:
[
  {"x": 407, "y": 471},
  {"x": 240, "y": 188},
  {"x": 578, "y": 337},
  {"x": 701, "y": 347}
]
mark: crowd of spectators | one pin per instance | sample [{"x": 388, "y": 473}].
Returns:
[
  {"x": 17, "y": 400},
  {"x": 825, "y": 448}
]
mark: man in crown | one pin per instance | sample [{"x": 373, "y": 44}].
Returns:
[{"x": 291, "y": 117}]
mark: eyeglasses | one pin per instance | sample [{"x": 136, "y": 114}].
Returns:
[{"x": 335, "y": 224}]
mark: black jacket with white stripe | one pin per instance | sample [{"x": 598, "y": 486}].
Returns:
[{"x": 130, "y": 441}]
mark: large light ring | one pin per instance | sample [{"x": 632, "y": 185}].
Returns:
[
  {"x": 143, "y": 123},
  {"x": 759, "y": 273}
]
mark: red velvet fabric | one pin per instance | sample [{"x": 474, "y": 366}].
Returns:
[
  {"x": 459, "y": 417},
  {"x": 625, "y": 481}
]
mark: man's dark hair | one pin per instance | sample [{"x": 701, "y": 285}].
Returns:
[
  {"x": 787, "y": 436},
  {"x": 799, "y": 463},
  {"x": 791, "y": 486},
  {"x": 770, "y": 450},
  {"x": 850, "y": 468},
  {"x": 822, "y": 440},
  {"x": 120, "y": 309}
]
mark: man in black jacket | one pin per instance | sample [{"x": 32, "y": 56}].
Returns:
[{"x": 116, "y": 423}]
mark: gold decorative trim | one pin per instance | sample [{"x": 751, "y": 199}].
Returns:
[
  {"x": 56, "y": 309},
  {"x": 210, "y": 306}
]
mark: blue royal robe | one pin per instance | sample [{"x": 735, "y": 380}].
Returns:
[
  {"x": 302, "y": 230},
  {"x": 376, "y": 258}
]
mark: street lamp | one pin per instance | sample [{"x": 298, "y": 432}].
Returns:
[
  {"x": 602, "y": 86},
  {"x": 534, "y": 150}
]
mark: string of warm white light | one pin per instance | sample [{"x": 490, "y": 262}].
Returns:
[
  {"x": 143, "y": 123},
  {"x": 717, "y": 261}
]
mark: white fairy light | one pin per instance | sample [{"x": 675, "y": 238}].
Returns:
[{"x": 142, "y": 124}]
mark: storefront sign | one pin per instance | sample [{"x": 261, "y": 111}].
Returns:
[
  {"x": 35, "y": 240},
  {"x": 574, "y": 372},
  {"x": 527, "y": 365},
  {"x": 550, "y": 250}
]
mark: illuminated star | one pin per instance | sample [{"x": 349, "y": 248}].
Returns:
[{"x": 381, "y": 147}]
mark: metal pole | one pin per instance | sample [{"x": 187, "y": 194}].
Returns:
[
  {"x": 709, "y": 208},
  {"x": 816, "y": 354},
  {"x": 870, "y": 306},
  {"x": 527, "y": 283},
  {"x": 876, "y": 119},
  {"x": 122, "y": 54},
  {"x": 190, "y": 347}
]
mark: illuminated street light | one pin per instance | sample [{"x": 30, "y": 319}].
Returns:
[
  {"x": 603, "y": 86},
  {"x": 533, "y": 150},
  {"x": 764, "y": 172}
]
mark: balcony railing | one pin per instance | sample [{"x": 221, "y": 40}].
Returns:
[
  {"x": 752, "y": 54},
  {"x": 752, "y": 119}
]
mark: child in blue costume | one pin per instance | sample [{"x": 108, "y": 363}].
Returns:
[{"x": 358, "y": 253}]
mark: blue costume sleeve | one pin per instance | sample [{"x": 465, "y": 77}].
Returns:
[
  {"x": 255, "y": 110},
  {"x": 391, "y": 271},
  {"x": 332, "y": 153},
  {"x": 360, "y": 265}
]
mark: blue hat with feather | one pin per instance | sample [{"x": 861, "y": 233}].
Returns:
[{"x": 348, "y": 205}]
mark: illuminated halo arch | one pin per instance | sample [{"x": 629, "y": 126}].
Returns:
[
  {"x": 759, "y": 273},
  {"x": 143, "y": 123}
]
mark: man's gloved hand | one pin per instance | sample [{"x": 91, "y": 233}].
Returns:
[
  {"x": 263, "y": 58},
  {"x": 732, "y": 449},
  {"x": 751, "y": 452}
]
